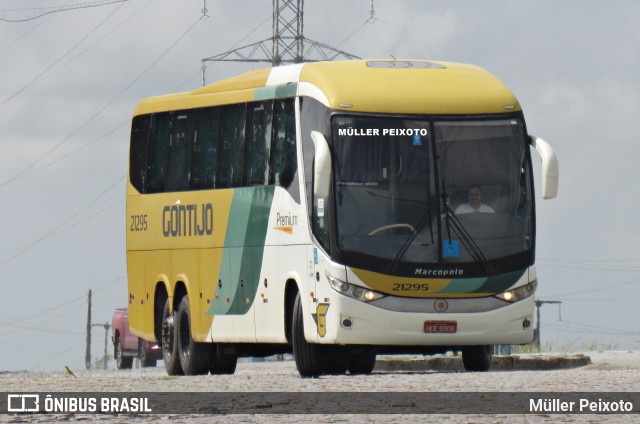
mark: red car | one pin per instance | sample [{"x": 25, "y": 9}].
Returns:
[{"x": 127, "y": 346}]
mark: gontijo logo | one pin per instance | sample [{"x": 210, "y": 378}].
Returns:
[{"x": 187, "y": 220}]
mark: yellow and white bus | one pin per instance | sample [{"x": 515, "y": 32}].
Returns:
[{"x": 336, "y": 211}]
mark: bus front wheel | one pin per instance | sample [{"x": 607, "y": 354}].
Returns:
[
  {"x": 195, "y": 357},
  {"x": 338, "y": 362},
  {"x": 310, "y": 360},
  {"x": 477, "y": 358},
  {"x": 362, "y": 363}
]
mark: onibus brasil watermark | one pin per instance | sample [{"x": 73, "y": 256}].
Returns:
[{"x": 63, "y": 403}]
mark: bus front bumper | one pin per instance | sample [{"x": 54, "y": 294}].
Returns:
[{"x": 353, "y": 322}]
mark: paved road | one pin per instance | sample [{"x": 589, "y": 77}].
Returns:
[{"x": 609, "y": 372}]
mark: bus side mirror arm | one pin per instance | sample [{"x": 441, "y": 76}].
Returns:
[
  {"x": 550, "y": 167},
  {"x": 321, "y": 165}
]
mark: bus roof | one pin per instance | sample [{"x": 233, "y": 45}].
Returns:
[{"x": 384, "y": 86}]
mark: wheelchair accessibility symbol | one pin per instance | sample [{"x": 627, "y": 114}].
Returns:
[{"x": 450, "y": 248}]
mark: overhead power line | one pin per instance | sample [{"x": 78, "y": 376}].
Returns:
[
  {"x": 40, "y": 12},
  {"x": 64, "y": 305},
  {"x": 370, "y": 20},
  {"x": 73, "y": 152},
  {"x": 25, "y": 170},
  {"x": 75, "y": 46},
  {"x": 607, "y": 287},
  {"x": 575, "y": 327},
  {"x": 95, "y": 43},
  {"x": 61, "y": 226},
  {"x": 12, "y": 43}
]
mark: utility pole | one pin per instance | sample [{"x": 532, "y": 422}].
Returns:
[
  {"x": 87, "y": 355},
  {"x": 286, "y": 45},
  {"x": 106, "y": 327},
  {"x": 536, "y": 332}
]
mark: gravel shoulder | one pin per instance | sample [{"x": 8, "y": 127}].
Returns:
[{"x": 608, "y": 372}]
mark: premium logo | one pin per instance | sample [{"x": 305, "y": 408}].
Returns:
[{"x": 286, "y": 222}]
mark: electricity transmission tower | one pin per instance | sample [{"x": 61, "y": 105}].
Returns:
[{"x": 287, "y": 44}]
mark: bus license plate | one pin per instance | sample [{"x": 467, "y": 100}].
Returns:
[{"x": 440, "y": 326}]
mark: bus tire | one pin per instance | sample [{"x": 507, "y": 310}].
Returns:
[
  {"x": 122, "y": 362},
  {"x": 310, "y": 358},
  {"x": 337, "y": 360},
  {"x": 223, "y": 364},
  {"x": 169, "y": 342},
  {"x": 477, "y": 358},
  {"x": 195, "y": 357},
  {"x": 362, "y": 363}
]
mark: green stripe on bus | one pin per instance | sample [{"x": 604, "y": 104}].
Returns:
[
  {"x": 251, "y": 261},
  {"x": 463, "y": 285},
  {"x": 500, "y": 283},
  {"x": 275, "y": 92},
  {"x": 243, "y": 251}
]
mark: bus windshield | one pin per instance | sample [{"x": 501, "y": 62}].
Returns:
[{"x": 422, "y": 191}]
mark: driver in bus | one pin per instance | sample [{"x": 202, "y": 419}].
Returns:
[{"x": 474, "y": 205}]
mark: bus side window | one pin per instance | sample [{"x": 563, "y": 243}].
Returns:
[
  {"x": 181, "y": 135},
  {"x": 284, "y": 164},
  {"x": 231, "y": 147},
  {"x": 158, "y": 154},
  {"x": 258, "y": 143},
  {"x": 206, "y": 136},
  {"x": 138, "y": 148}
]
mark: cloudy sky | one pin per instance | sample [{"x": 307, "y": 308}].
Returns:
[{"x": 69, "y": 82}]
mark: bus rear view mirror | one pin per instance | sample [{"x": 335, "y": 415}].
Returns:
[
  {"x": 321, "y": 165},
  {"x": 550, "y": 168}
]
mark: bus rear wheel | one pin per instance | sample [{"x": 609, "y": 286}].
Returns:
[
  {"x": 477, "y": 358},
  {"x": 223, "y": 363},
  {"x": 310, "y": 358},
  {"x": 169, "y": 343},
  {"x": 195, "y": 357}
]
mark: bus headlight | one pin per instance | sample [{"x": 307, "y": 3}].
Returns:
[
  {"x": 519, "y": 293},
  {"x": 356, "y": 292}
]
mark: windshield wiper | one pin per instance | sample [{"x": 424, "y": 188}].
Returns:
[
  {"x": 426, "y": 218},
  {"x": 468, "y": 241}
]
